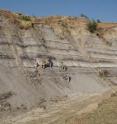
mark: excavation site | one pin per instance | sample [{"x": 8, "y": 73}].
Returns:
[{"x": 57, "y": 70}]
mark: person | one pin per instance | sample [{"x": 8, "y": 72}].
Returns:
[
  {"x": 37, "y": 65},
  {"x": 63, "y": 67},
  {"x": 50, "y": 62},
  {"x": 44, "y": 63},
  {"x": 69, "y": 79},
  {"x": 37, "y": 62},
  {"x": 37, "y": 71},
  {"x": 65, "y": 77},
  {"x": 47, "y": 63}
]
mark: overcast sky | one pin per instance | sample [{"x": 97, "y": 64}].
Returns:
[{"x": 105, "y": 10}]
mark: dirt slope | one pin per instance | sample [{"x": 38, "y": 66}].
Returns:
[
  {"x": 25, "y": 40},
  {"x": 106, "y": 113}
]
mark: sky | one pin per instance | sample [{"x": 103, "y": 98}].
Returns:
[{"x": 105, "y": 10}]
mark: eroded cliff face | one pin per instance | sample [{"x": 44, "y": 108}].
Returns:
[{"x": 63, "y": 39}]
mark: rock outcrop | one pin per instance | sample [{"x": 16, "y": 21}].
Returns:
[{"x": 65, "y": 40}]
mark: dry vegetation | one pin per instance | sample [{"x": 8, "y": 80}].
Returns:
[
  {"x": 22, "y": 21},
  {"x": 17, "y": 18},
  {"x": 105, "y": 114}
]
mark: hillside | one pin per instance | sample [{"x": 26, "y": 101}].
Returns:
[
  {"x": 106, "y": 113},
  {"x": 90, "y": 61}
]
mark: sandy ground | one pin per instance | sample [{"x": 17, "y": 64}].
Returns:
[{"x": 62, "y": 112}]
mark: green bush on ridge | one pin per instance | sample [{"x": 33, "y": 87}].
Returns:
[{"x": 92, "y": 26}]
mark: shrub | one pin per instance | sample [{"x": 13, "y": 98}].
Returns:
[
  {"x": 25, "y": 18},
  {"x": 92, "y": 26},
  {"x": 20, "y": 14},
  {"x": 25, "y": 25}
]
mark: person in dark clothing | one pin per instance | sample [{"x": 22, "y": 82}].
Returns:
[
  {"x": 50, "y": 62},
  {"x": 37, "y": 65},
  {"x": 65, "y": 68},
  {"x": 69, "y": 79}
]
